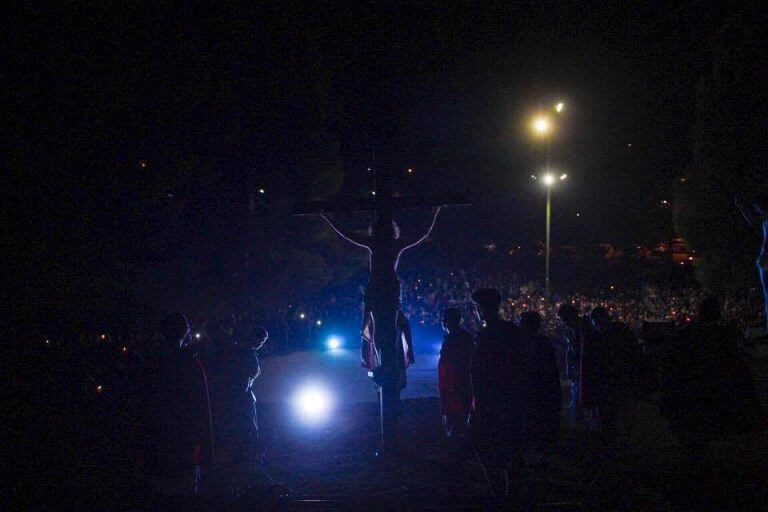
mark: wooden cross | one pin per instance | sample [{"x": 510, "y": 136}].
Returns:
[{"x": 384, "y": 376}]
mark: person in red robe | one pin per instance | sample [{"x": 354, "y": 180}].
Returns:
[{"x": 453, "y": 374}]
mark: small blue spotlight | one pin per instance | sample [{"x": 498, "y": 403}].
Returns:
[{"x": 334, "y": 342}]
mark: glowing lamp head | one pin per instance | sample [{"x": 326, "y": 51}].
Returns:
[
  {"x": 261, "y": 191},
  {"x": 319, "y": 323},
  {"x": 541, "y": 125},
  {"x": 197, "y": 335},
  {"x": 559, "y": 106},
  {"x": 334, "y": 343},
  {"x": 548, "y": 180},
  {"x": 312, "y": 403},
  {"x": 302, "y": 316}
]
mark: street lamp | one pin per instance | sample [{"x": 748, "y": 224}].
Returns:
[
  {"x": 549, "y": 180},
  {"x": 543, "y": 127}
]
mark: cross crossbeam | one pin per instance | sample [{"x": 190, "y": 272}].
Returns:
[{"x": 376, "y": 203}]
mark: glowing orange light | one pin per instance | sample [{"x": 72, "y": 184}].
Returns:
[{"x": 541, "y": 125}]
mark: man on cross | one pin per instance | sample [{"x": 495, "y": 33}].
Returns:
[
  {"x": 387, "y": 347},
  {"x": 382, "y": 317}
]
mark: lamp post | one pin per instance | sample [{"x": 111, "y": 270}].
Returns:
[
  {"x": 548, "y": 180},
  {"x": 542, "y": 127}
]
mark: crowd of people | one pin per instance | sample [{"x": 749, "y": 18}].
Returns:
[
  {"x": 423, "y": 293},
  {"x": 301, "y": 325},
  {"x": 97, "y": 377},
  {"x": 502, "y": 385}
]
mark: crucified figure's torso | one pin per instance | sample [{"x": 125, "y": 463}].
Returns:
[{"x": 384, "y": 250}]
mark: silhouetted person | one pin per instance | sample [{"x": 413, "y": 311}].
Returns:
[
  {"x": 495, "y": 421},
  {"x": 611, "y": 361},
  {"x": 259, "y": 337},
  {"x": 572, "y": 337},
  {"x": 757, "y": 213},
  {"x": 707, "y": 389},
  {"x": 453, "y": 374},
  {"x": 179, "y": 425},
  {"x": 544, "y": 387}
]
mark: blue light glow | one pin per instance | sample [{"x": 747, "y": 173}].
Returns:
[{"x": 334, "y": 343}]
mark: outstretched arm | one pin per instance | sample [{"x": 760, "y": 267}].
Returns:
[
  {"x": 426, "y": 235},
  {"x": 358, "y": 241},
  {"x": 747, "y": 213}
]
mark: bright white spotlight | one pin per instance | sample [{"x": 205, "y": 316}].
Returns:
[
  {"x": 548, "y": 179},
  {"x": 312, "y": 403},
  {"x": 559, "y": 107},
  {"x": 563, "y": 176},
  {"x": 334, "y": 342}
]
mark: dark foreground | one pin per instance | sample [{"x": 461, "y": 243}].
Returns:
[{"x": 333, "y": 467}]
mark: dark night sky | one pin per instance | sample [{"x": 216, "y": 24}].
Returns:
[{"x": 225, "y": 100}]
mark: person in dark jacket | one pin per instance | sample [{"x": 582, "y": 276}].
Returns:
[
  {"x": 571, "y": 339},
  {"x": 544, "y": 386},
  {"x": 179, "y": 435},
  {"x": 453, "y": 374},
  {"x": 609, "y": 374},
  {"x": 496, "y": 424},
  {"x": 708, "y": 392}
]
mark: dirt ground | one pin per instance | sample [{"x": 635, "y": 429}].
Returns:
[{"x": 333, "y": 467}]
